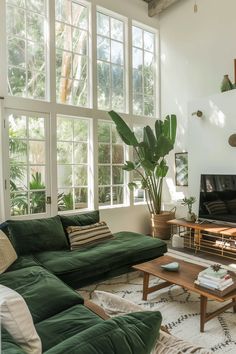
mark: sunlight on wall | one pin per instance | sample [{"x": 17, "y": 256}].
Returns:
[
  {"x": 175, "y": 196},
  {"x": 217, "y": 117}
]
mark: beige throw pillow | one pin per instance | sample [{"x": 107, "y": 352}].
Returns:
[
  {"x": 7, "y": 253},
  {"x": 84, "y": 235},
  {"x": 17, "y": 320}
]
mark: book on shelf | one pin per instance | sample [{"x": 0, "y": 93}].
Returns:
[{"x": 217, "y": 292}]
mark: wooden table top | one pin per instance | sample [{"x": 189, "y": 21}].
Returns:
[{"x": 185, "y": 277}]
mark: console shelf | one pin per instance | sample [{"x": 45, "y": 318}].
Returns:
[{"x": 206, "y": 237}]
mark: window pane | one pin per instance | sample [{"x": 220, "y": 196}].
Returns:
[
  {"x": 72, "y": 156},
  {"x": 111, "y": 176},
  {"x": 27, "y": 49},
  {"x": 27, "y": 164},
  {"x": 72, "y": 53},
  {"x": 110, "y": 63},
  {"x": 144, "y": 79},
  {"x": 103, "y": 24}
]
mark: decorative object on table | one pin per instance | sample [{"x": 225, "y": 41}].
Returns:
[
  {"x": 216, "y": 279},
  {"x": 171, "y": 267},
  {"x": 189, "y": 202},
  {"x": 226, "y": 84},
  {"x": 232, "y": 140},
  {"x": 151, "y": 165},
  {"x": 181, "y": 169}
]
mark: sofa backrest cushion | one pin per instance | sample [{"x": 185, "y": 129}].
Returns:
[
  {"x": 129, "y": 334},
  {"x": 37, "y": 235},
  {"x": 84, "y": 219},
  {"x": 7, "y": 253},
  {"x": 17, "y": 320}
]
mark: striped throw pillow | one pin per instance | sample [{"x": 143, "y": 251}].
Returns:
[
  {"x": 217, "y": 207},
  {"x": 86, "y": 235}
]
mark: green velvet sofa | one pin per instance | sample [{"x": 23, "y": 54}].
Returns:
[
  {"x": 46, "y": 272},
  {"x": 44, "y": 242}
]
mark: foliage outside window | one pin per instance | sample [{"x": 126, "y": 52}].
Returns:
[
  {"x": 111, "y": 177},
  {"x": 111, "y": 91},
  {"x": 26, "y": 44},
  {"x": 27, "y": 157},
  {"x": 144, "y": 81},
  {"x": 72, "y": 52},
  {"x": 72, "y": 163}
]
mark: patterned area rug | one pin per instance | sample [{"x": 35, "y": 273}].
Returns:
[{"x": 179, "y": 308}]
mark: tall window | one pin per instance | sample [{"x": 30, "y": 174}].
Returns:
[
  {"x": 72, "y": 52},
  {"x": 27, "y": 158},
  {"x": 73, "y": 163},
  {"x": 111, "y": 177},
  {"x": 111, "y": 90},
  {"x": 144, "y": 79},
  {"x": 26, "y": 43},
  {"x": 139, "y": 195}
]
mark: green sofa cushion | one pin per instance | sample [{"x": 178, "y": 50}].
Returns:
[
  {"x": 84, "y": 219},
  {"x": 135, "y": 333},
  {"x": 65, "y": 324},
  {"x": 23, "y": 262},
  {"x": 44, "y": 293},
  {"x": 11, "y": 348},
  {"x": 86, "y": 265},
  {"x": 30, "y": 236}
]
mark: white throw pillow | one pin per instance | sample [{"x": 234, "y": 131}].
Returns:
[
  {"x": 7, "y": 253},
  {"x": 17, "y": 320}
]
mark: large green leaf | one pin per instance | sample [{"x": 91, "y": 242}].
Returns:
[
  {"x": 169, "y": 128},
  {"x": 123, "y": 129},
  {"x": 164, "y": 146},
  {"x": 129, "y": 166},
  {"x": 158, "y": 128},
  {"x": 161, "y": 169},
  {"x": 148, "y": 166}
]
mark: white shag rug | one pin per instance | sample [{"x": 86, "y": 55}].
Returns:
[{"x": 179, "y": 308}]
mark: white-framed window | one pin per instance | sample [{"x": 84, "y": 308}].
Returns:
[
  {"x": 144, "y": 70},
  {"x": 28, "y": 161},
  {"x": 111, "y": 61},
  {"x": 72, "y": 32},
  {"x": 111, "y": 156},
  {"x": 68, "y": 61},
  {"x": 26, "y": 32},
  {"x": 73, "y": 163}
]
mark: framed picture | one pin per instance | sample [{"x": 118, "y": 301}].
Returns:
[{"x": 181, "y": 169}]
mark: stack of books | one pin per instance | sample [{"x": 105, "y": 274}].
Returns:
[{"x": 218, "y": 282}]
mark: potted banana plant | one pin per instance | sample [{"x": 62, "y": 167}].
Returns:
[{"x": 151, "y": 165}]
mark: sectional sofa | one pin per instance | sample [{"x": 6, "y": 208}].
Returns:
[{"x": 46, "y": 272}]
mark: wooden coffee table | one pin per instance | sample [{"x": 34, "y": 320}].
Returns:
[{"x": 185, "y": 277}]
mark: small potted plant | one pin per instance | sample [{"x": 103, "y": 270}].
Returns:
[{"x": 189, "y": 202}]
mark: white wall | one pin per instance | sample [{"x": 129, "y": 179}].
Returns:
[{"x": 197, "y": 49}]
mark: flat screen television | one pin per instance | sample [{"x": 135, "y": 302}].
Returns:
[{"x": 217, "y": 200}]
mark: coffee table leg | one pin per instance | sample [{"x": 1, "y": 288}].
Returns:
[
  {"x": 203, "y": 312},
  {"x": 234, "y": 306},
  {"x": 145, "y": 285}
]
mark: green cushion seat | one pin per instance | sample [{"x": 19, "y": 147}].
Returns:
[
  {"x": 65, "y": 324},
  {"x": 30, "y": 236},
  {"x": 44, "y": 293},
  {"x": 134, "y": 333},
  {"x": 23, "y": 262},
  {"x": 104, "y": 259},
  {"x": 8, "y": 347}
]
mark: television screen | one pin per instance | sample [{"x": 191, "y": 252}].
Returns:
[{"x": 217, "y": 200}]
